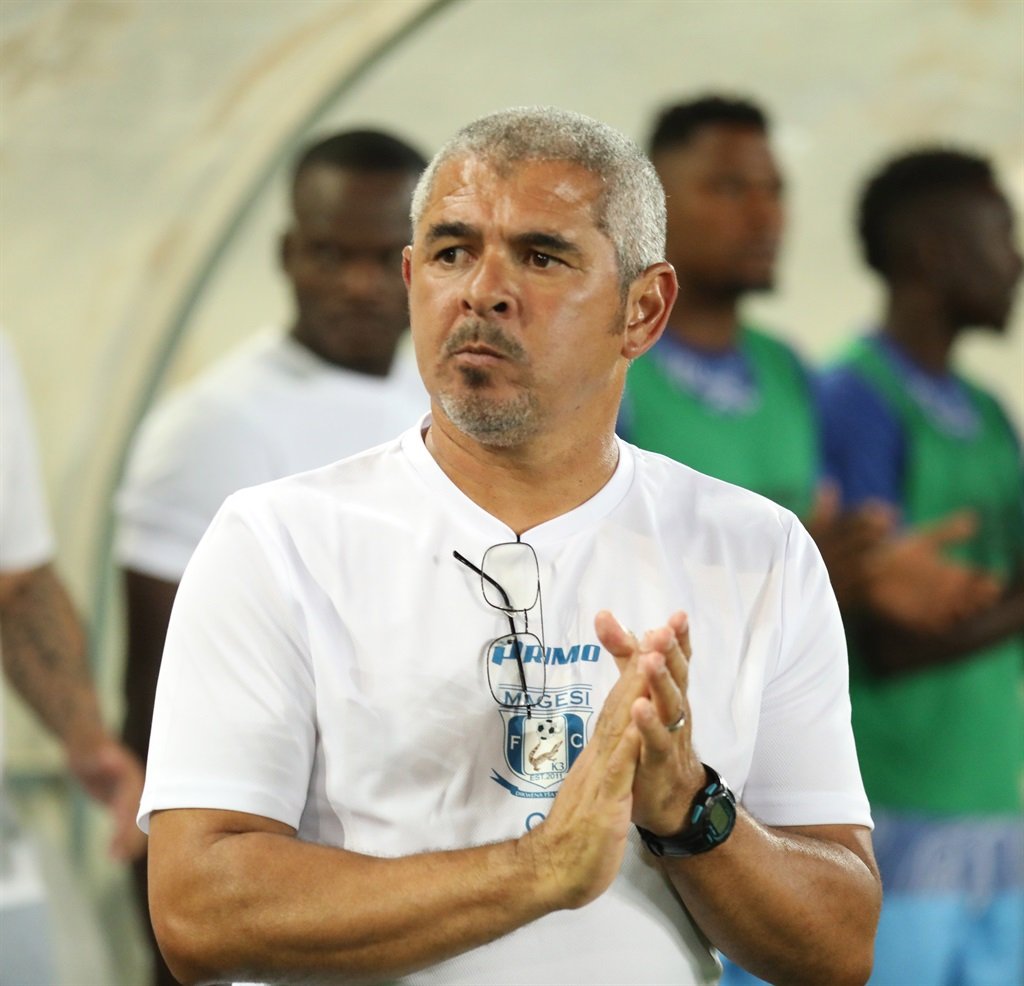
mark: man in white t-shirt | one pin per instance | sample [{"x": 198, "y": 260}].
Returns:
[
  {"x": 43, "y": 653},
  {"x": 399, "y": 734},
  {"x": 280, "y": 403}
]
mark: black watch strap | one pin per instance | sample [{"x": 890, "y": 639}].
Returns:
[{"x": 708, "y": 823}]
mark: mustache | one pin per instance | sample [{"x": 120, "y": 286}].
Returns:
[{"x": 491, "y": 335}]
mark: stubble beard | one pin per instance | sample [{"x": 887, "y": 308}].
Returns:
[{"x": 473, "y": 408}]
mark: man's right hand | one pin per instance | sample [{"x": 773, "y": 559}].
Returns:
[
  {"x": 578, "y": 849},
  {"x": 911, "y": 583}
]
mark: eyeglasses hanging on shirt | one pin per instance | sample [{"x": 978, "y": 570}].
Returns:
[{"x": 510, "y": 582}]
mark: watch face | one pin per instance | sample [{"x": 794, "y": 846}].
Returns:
[{"x": 719, "y": 817}]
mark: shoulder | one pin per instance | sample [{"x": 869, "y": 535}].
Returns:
[
  {"x": 770, "y": 347},
  {"x": 214, "y": 405},
  {"x": 990, "y": 405},
  {"x": 692, "y": 504},
  {"x": 770, "y": 343},
  {"x": 356, "y": 485}
]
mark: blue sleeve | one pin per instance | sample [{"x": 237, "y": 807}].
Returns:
[{"x": 863, "y": 441}]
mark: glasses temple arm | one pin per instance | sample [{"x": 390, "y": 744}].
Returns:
[{"x": 484, "y": 575}]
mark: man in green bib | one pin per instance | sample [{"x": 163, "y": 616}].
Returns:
[
  {"x": 938, "y": 719},
  {"x": 716, "y": 393}
]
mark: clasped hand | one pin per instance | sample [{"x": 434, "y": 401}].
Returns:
[
  {"x": 634, "y": 770},
  {"x": 654, "y": 674}
]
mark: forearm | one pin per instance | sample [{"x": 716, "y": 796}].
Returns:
[
  {"x": 789, "y": 908},
  {"x": 264, "y": 905},
  {"x": 44, "y": 656},
  {"x": 890, "y": 650}
]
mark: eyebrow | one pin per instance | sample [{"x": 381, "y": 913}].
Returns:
[
  {"x": 547, "y": 242},
  {"x": 535, "y": 239},
  {"x": 455, "y": 231}
]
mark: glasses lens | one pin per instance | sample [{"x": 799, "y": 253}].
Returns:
[
  {"x": 513, "y": 566},
  {"x": 516, "y": 671}
]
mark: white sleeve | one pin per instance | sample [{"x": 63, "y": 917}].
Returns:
[
  {"x": 26, "y": 539},
  {"x": 804, "y": 769},
  {"x": 234, "y": 723},
  {"x": 189, "y": 455}
]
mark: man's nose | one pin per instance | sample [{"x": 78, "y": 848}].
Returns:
[
  {"x": 488, "y": 289},
  {"x": 362, "y": 278}
]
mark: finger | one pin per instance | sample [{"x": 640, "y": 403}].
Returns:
[
  {"x": 662, "y": 689},
  {"x": 951, "y": 529},
  {"x": 614, "y": 637},
  {"x": 657, "y": 742},
  {"x": 673, "y": 641},
  {"x": 614, "y": 717},
  {"x": 679, "y": 622}
]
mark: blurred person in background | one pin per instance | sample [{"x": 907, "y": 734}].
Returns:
[
  {"x": 731, "y": 400},
  {"x": 282, "y": 403},
  {"x": 44, "y": 658},
  {"x": 716, "y": 392},
  {"x": 938, "y": 716}
]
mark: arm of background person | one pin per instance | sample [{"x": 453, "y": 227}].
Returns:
[
  {"x": 43, "y": 649},
  {"x": 893, "y": 650},
  {"x": 904, "y": 579},
  {"x": 148, "y": 601},
  {"x": 237, "y": 895}
]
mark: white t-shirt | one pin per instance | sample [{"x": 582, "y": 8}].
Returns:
[
  {"x": 325, "y": 667},
  {"x": 269, "y": 409}
]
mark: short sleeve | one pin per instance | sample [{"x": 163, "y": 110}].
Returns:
[
  {"x": 26, "y": 539},
  {"x": 804, "y": 769},
  {"x": 189, "y": 455},
  {"x": 863, "y": 441},
  {"x": 234, "y": 721}
]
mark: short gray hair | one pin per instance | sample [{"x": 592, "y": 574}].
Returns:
[{"x": 631, "y": 211}]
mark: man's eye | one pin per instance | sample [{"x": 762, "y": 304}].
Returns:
[
  {"x": 448, "y": 255},
  {"x": 326, "y": 253},
  {"x": 541, "y": 260}
]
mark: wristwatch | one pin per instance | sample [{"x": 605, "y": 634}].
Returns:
[{"x": 708, "y": 823}]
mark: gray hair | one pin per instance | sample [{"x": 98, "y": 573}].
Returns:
[{"x": 631, "y": 211}]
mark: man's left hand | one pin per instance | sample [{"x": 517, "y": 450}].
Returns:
[
  {"x": 669, "y": 773},
  {"x": 113, "y": 775}
]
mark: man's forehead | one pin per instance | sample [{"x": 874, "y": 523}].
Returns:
[
  {"x": 471, "y": 181},
  {"x": 327, "y": 193}
]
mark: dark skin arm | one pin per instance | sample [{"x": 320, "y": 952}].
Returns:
[
  {"x": 44, "y": 659},
  {"x": 891, "y": 650},
  {"x": 149, "y": 601}
]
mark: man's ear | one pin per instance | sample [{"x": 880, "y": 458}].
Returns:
[
  {"x": 648, "y": 306},
  {"x": 407, "y": 266}
]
